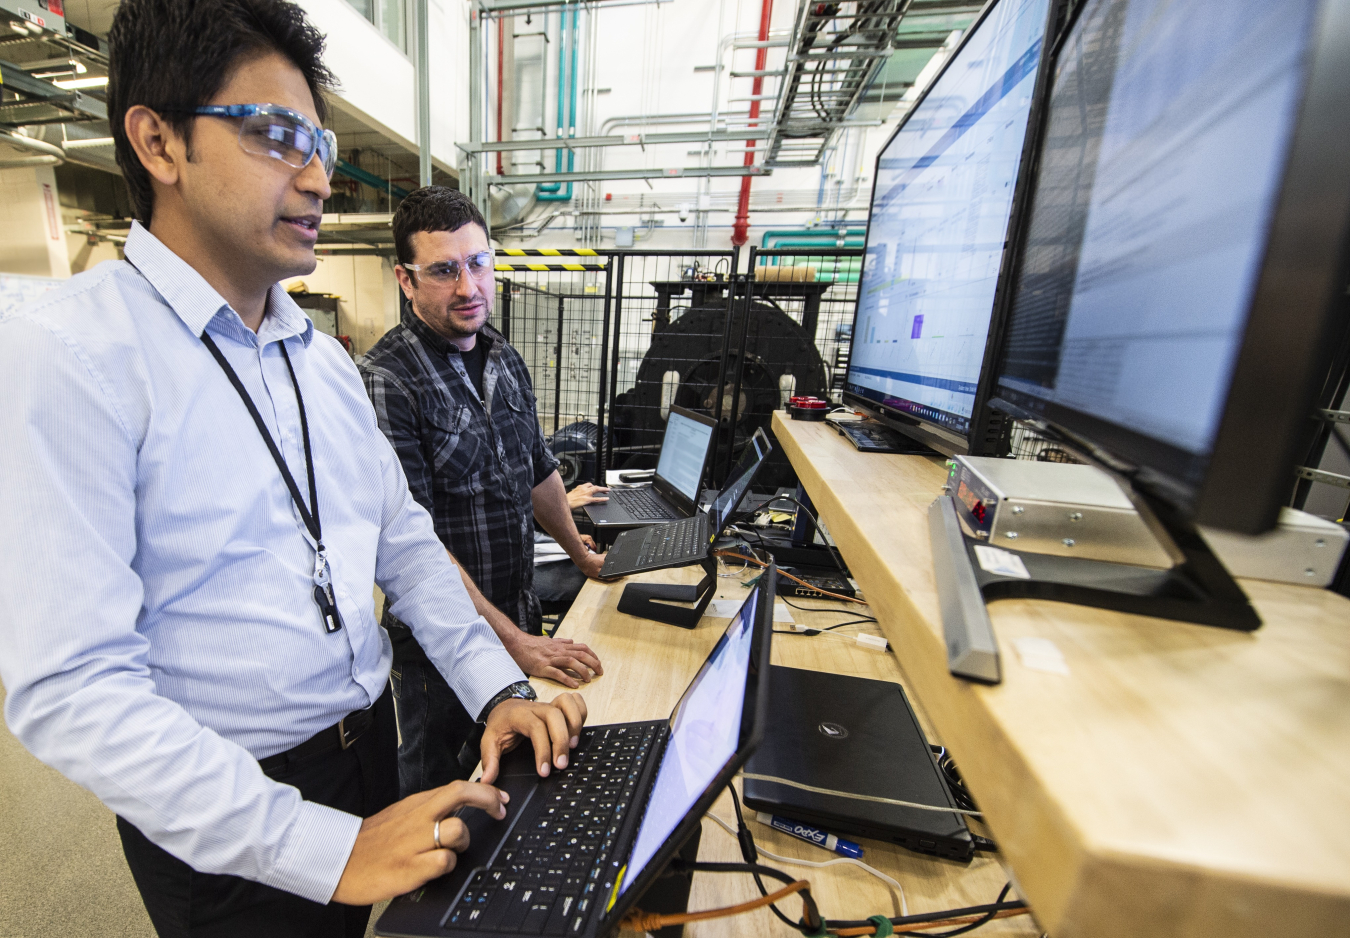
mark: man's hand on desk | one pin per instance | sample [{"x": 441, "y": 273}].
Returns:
[
  {"x": 592, "y": 562},
  {"x": 552, "y": 728},
  {"x": 396, "y": 851},
  {"x": 556, "y": 659}
]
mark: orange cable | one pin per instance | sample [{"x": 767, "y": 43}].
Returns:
[
  {"x": 760, "y": 563},
  {"x": 641, "y": 921}
]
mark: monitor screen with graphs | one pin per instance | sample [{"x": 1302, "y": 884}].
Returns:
[{"x": 941, "y": 205}]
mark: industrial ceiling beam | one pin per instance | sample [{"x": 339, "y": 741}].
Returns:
[
  {"x": 613, "y": 140},
  {"x": 612, "y": 174}
]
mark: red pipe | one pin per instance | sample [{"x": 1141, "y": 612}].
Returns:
[
  {"x": 501, "y": 55},
  {"x": 740, "y": 230}
]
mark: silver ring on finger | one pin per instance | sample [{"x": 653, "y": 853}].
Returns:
[{"x": 436, "y": 836}]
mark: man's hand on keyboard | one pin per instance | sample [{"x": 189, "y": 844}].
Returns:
[
  {"x": 395, "y": 851},
  {"x": 555, "y": 658},
  {"x": 552, "y": 728}
]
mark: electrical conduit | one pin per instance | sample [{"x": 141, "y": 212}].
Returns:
[{"x": 740, "y": 229}]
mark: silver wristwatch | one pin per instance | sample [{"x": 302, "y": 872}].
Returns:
[{"x": 520, "y": 689}]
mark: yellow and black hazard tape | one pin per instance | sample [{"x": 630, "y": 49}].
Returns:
[
  {"x": 548, "y": 252},
  {"x": 550, "y": 267}
]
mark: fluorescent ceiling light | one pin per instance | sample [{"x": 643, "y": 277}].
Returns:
[{"x": 76, "y": 84}]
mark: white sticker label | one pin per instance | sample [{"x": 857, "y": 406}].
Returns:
[
  {"x": 998, "y": 561},
  {"x": 1040, "y": 654}
]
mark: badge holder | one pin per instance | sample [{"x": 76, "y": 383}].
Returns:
[{"x": 653, "y": 600}]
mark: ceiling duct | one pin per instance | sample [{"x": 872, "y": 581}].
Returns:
[{"x": 18, "y": 150}]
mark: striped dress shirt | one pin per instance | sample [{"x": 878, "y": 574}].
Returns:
[{"x": 158, "y": 632}]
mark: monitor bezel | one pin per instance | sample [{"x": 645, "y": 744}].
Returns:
[
  {"x": 754, "y": 718},
  {"x": 1249, "y": 473},
  {"x": 667, "y": 488},
  {"x": 977, "y": 441}
]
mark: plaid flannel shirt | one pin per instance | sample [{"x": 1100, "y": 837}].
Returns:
[{"x": 472, "y": 464}]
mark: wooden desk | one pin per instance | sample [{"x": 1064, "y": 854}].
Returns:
[
  {"x": 648, "y": 665},
  {"x": 1180, "y": 780}
]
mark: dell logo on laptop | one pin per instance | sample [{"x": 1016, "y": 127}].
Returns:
[{"x": 833, "y": 731}]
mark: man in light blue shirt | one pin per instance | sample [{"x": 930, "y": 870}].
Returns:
[{"x": 182, "y": 631}]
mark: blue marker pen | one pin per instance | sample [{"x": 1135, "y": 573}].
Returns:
[{"x": 845, "y": 848}]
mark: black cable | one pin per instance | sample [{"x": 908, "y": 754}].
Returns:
[
  {"x": 845, "y": 610},
  {"x": 838, "y": 562},
  {"x": 988, "y": 917},
  {"x": 989, "y": 909},
  {"x": 748, "y": 851}
]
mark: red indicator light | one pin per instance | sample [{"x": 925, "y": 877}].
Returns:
[{"x": 978, "y": 511}]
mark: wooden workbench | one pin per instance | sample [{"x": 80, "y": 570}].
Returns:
[
  {"x": 647, "y": 666},
  {"x": 1179, "y": 780}
]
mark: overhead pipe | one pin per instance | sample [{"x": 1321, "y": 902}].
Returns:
[
  {"x": 46, "y": 153},
  {"x": 740, "y": 229},
  {"x": 567, "y": 90}
]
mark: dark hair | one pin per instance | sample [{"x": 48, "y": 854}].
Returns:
[
  {"x": 175, "y": 55},
  {"x": 432, "y": 208}
]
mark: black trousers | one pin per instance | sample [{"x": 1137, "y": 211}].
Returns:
[{"x": 183, "y": 903}]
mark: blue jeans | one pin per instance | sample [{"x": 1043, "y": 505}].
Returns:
[{"x": 433, "y": 725}]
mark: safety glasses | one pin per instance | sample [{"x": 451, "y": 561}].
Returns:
[
  {"x": 478, "y": 266},
  {"x": 278, "y": 132}
]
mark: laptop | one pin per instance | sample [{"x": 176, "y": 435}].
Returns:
[
  {"x": 856, "y": 736},
  {"x": 674, "y": 489},
  {"x": 580, "y": 848},
  {"x": 689, "y": 540}
]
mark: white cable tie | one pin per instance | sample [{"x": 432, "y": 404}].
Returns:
[{"x": 756, "y": 777}]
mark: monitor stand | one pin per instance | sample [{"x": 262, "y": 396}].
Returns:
[
  {"x": 1198, "y": 589},
  {"x": 652, "y": 600}
]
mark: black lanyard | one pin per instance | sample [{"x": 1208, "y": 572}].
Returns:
[{"x": 323, "y": 587}]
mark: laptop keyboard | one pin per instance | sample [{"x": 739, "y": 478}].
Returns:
[
  {"x": 670, "y": 542},
  {"x": 643, "y": 504},
  {"x": 555, "y": 867}
]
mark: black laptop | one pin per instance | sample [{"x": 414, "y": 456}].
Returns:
[
  {"x": 674, "y": 489},
  {"x": 856, "y": 736},
  {"x": 689, "y": 540},
  {"x": 578, "y": 849}
]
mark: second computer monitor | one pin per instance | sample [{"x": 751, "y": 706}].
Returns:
[{"x": 943, "y": 197}]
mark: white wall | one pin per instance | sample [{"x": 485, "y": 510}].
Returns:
[
  {"x": 368, "y": 292},
  {"x": 377, "y": 81},
  {"x": 32, "y": 236}
]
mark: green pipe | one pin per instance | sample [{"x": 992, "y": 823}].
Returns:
[
  {"x": 807, "y": 232},
  {"x": 553, "y": 191},
  {"x": 375, "y": 182}
]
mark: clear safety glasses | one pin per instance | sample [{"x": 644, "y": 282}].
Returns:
[
  {"x": 278, "y": 132},
  {"x": 478, "y": 266}
]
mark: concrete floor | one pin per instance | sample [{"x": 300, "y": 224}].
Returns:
[{"x": 61, "y": 866}]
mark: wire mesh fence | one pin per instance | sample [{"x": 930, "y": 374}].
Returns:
[{"x": 613, "y": 340}]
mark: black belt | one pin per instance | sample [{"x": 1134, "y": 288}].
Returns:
[{"x": 341, "y": 735}]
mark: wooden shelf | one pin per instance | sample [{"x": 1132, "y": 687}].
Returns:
[{"x": 1179, "y": 780}]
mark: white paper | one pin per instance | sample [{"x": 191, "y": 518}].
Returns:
[
  {"x": 1000, "y": 562},
  {"x": 1040, "y": 654}
]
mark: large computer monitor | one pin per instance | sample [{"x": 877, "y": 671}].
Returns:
[
  {"x": 1184, "y": 259},
  {"x": 945, "y": 188}
]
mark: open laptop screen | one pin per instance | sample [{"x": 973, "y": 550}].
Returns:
[
  {"x": 703, "y": 738},
  {"x": 684, "y": 450},
  {"x": 739, "y": 481}
]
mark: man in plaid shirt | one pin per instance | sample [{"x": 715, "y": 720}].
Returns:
[{"x": 456, "y": 402}]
